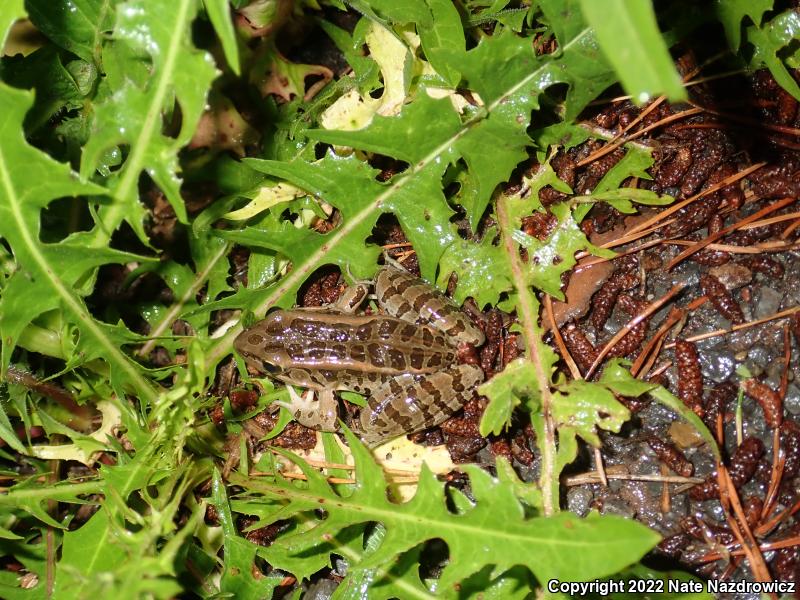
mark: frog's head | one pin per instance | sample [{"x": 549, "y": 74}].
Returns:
[{"x": 263, "y": 346}]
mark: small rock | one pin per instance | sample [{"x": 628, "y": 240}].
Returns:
[
  {"x": 774, "y": 372},
  {"x": 768, "y": 302},
  {"x": 732, "y": 275},
  {"x": 792, "y": 400},
  {"x": 717, "y": 365},
  {"x": 758, "y": 355},
  {"x": 617, "y": 506},
  {"x": 687, "y": 273},
  {"x": 792, "y": 275},
  {"x": 579, "y": 500}
]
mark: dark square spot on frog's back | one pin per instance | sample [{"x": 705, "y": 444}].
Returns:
[
  {"x": 386, "y": 328},
  {"x": 275, "y": 327},
  {"x": 316, "y": 353},
  {"x": 427, "y": 337},
  {"x": 428, "y": 387},
  {"x": 364, "y": 332},
  {"x": 389, "y": 292},
  {"x": 409, "y": 331},
  {"x": 395, "y": 388},
  {"x": 416, "y": 359},
  {"x": 457, "y": 329},
  {"x": 295, "y": 351},
  {"x": 358, "y": 352},
  {"x": 396, "y": 359},
  {"x": 375, "y": 355},
  {"x": 305, "y": 327},
  {"x": 338, "y": 332}
]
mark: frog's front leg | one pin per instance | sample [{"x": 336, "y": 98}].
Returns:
[
  {"x": 409, "y": 402},
  {"x": 319, "y": 414}
]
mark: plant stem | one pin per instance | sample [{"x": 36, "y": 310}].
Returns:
[
  {"x": 63, "y": 491},
  {"x": 528, "y": 313}
]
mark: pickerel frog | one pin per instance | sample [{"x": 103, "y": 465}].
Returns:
[{"x": 405, "y": 361}]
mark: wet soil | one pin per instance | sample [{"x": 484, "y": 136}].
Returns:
[{"x": 751, "y": 275}]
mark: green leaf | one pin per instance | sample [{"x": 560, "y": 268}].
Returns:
[
  {"x": 583, "y": 406},
  {"x": 75, "y": 25},
  {"x": 395, "y": 11},
  {"x": 580, "y": 61},
  {"x": 10, "y": 11},
  {"x": 509, "y": 77},
  {"x": 86, "y": 553},
  {"x": 550, "y": 258},
  {"x": 350, "y": 185},
  {"x": 33, "y": 554},
  {"x": 631, "y": 41},
  {"x": 30, "y": 496},
  {"x": 484, "y": 272},
  {"x": 539, "y": 179},
  {"x": 365, "y": 69},
  {"x": 634, "y": 163},
  {"x": 563, "y": 133},
  {"x": 505, "y": 392},
  {"x": 443, "y": 33},
  {"x": 219, "y": 13},
  {"x": 731, "y": 12},
  {"x": 134, "y": 114},
  {"x": 492, "y": 530},
  {"x": 239, "y": 553},
  {"x": 392, "y": 135},
  {"x": 769, "y": 41},
  {"x": 400, "y": 579},
  {"x": 619, "y": 380},
  {"x": 56, "y": 87},
  {"x": 480, "y": 269},
  {"x": 7, "y": 433}
]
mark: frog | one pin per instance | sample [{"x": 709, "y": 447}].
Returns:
[{"x": 404, "y": 358}]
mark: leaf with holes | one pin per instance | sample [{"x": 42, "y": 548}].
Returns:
[
  {"x": 137, "y": 114},
  {"x": 489, "y": 529}
]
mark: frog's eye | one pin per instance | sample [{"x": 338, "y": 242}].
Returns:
[{"x": 270, "y": 368}]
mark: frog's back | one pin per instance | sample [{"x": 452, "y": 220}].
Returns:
[{"x": 338, "y": 350}]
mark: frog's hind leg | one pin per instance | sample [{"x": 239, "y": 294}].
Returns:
[
  {"x": 319, "y": 414},
  {"x": 352, "y": 298},
  {"x": 411, "y": 299},
  {"x": 411, "y": 402}
]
